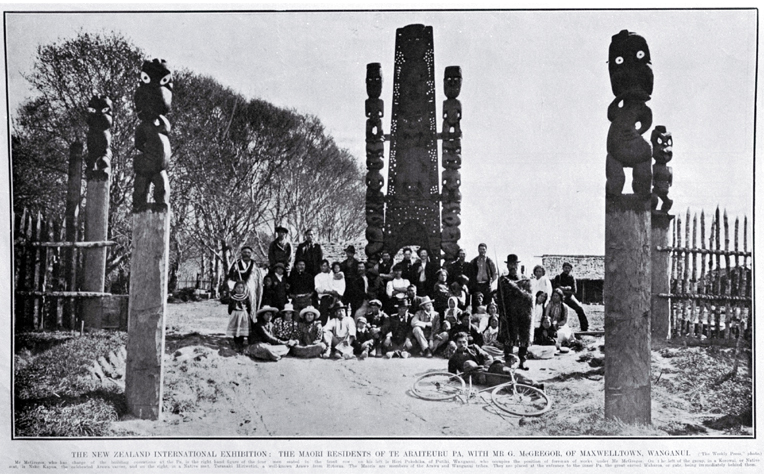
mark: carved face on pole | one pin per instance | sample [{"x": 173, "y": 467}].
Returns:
[
  {"x": 629, "y": 64},
  {"x": 452, "y": 81},
  {"x": 99, "y": 112},
  {"x": 154, "y": 94},
  {"x": 662, "y": 144},
  {"x": 374, "y": 80}
]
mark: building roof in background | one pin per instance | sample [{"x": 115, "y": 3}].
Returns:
[{"x": 585, "y": 267}]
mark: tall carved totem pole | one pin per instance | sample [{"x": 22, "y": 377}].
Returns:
[
  {"x": 410, "y": 213},
  {"x": 632, "y": 263},
  {"x": 151, "y": 237}
]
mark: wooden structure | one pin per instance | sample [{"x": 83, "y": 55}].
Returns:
[
  {"x": 710, "y": 285},
  {"x": 410, "y": 212}
]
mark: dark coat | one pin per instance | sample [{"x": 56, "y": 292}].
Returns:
[
  {"x": 277, "y": 253},
  {"x": 515, "y": 313},
  {"x": 311, "y": 255},
  {"x": 430, "y": 272}
]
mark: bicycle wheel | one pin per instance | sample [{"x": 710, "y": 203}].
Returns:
[
  {"x": 438, "y": 386},
  {"x": 521, "y": 400}
]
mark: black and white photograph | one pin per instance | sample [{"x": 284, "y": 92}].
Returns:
[{"x": 380, "y": 230}]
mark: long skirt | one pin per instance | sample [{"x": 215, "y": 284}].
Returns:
[
  {"x": 238, "y": 324},
  {"x": 266, "y": 351},
  {"x": 309, "y": 351}
]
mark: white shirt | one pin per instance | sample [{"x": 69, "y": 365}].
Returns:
[
  {"x": 323, "y": 283},
  {"x": 542, "y": 284},
  {"x": 397, "y": 284},
  {"x": 341, "y": 327}
]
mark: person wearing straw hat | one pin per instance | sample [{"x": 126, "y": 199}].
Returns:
[
  {"x": 244, "y": 269},
  {"x": 285, "y": 326},
  {"x": 263, "y": 342},
  {"x": 310, "y": 335},
  {"x": 426, "y": 328},
  {"x": 239, "y": 307},
  {"x": 339, "y": 334},
  {"x": 280, "y": 249}
]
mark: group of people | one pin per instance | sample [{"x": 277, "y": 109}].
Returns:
[{"x": 380, "y": 308}]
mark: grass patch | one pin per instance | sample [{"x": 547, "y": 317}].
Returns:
[
  {"x": 188, "y": 385},
  {"x": 53, "y": 390}
]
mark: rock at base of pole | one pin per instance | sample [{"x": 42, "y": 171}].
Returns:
[{"x": 148, "y": 301}]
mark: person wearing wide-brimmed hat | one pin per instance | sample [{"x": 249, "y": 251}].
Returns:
[
  {"x": 310, "y": 335},
  {"x": 426, "y": 328},
  {"x": 280, "y": 249},
  {"x": 339, "y": 334},
  {"x": 396, "y": 332},
  {"x": 285, "y": 326},
  {"x": 263, "y": 342}
]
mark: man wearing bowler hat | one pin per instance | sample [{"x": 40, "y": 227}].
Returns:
[
  {"x": 515, "y": 311},
  {"x": 280, "y": 250},
  {"x": 567, "y": 283}
]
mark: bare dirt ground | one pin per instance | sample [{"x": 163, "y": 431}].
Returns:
[{"x": 211, "y": 391}]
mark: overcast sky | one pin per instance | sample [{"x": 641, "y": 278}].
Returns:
[{"x": 534, "y": 98}]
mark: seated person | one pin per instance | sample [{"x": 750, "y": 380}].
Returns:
[
  {"x": 339, "y": 334},
  {"x": 310, "y": 335},
  {"x": 467, "y": 357},
  {"x": 491, "y": 343},
  {"x": 264, "y": 343},
  {"x": 285, "y": 327},
  {"x": 451, "y": 314},
  {"x": 364, "y": 341},
  {"x": 396, "y": 333},
  {"x": 426, "y": 328},
  {"x": 545, "y": 334},
  {"x": 480, "y": 318},
  {"x": 376, "y": 319},
  {"x": 464, "y": 325}
]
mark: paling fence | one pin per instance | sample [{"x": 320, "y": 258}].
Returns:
[
  {"x": 46, "y": 269},
  {"x": 711, "y": 279}
]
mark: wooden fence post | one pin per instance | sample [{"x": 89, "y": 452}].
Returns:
[
  {"x": 73, "y": 200},
  {"x": 660, "y": 308}
]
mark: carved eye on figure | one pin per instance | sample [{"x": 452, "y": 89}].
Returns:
[
  {"x": 104, "y": 110},
  {"x": 91, "y": 110},
  {"x": 619, "y": 60},
  {"x": 659, "y": 140},
  {"x": 640, "y": 54},
  {"x": 165, "y": 79},
  {"x": 670, "y": 142},
  {"x": 145, "y": 78}
]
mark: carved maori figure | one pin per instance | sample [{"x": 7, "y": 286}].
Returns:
[
  {"x": 663, "y": 176},
  {"x": 451, "y": 135},
  {"x": 631, "y": 79},
  {"x": 98, "y": 163},
  {"x": 375, "y": 150},
  {"x": 452, "y": 180},
  {"x": 153, "y": 100}
]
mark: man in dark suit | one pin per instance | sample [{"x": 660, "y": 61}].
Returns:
[
  {"x": 424, "y": 273},
  {"x": 310, "y": 253}
]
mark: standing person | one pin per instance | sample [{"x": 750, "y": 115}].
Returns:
[
  {"x": 484, "y": 273},
  {"x": 301, "y": 286},
  {"x": 539, "y": 308},
  {"x": 407, "y": 265},
  {"x": 327, "y": 291},
  {"x": 427, "y": 329},
  {"x": 386, "y": 266},
  {"x": 396, "y": 288},
  {"x": 239, "y": 307},
  {"x": 424, "y": 273},
  {"x": 541, "y": 282},
  {"x": 280, "y": 250},
  {"x": 515, "y": 312},
  {"x": 397, "y": 333},
  {"x": 310, "y": 335},
  {"x": 440, "y": 292},
  {"x": 244, "y": 269},
  {"x": 375, "y": 289},
  {"x": 567, "y": 283},
  {"x": 355, "y": 291},
  {"x": 310, "y": 253},
  {"x": 339, "y": 334},
  {"x": 458, "y": 267},
  {"x": 349, "y": 266},
  {"x": 280, "y": 286}
]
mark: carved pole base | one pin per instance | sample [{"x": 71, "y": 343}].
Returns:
[
  {"x": 148, "y": 301},
  {"x": 627, "y": 294},
  {"x": 96, "y": 230}
]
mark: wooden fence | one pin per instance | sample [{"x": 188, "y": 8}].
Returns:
[
  {"x": 45, "y": 274},
  {"x": 710, "y": 285}
]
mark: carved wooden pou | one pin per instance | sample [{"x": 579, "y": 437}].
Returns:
[
  {"x": 451, "y": 135},
  {"x": 153, "y": 100},
  {"x": 98, "y": 163},
  {"x": 631, "y": 79},
  {"x": 663, "y": 176}
]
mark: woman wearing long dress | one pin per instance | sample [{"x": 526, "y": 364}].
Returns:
[
  {"x": 244, "y": 269},
  {"x": 541, "y": 282},
  {"x": 557, "y": 311}
]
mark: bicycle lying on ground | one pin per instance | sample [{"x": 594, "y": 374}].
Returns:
[{"x": 510, "y": 396}]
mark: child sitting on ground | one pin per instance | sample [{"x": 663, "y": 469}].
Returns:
[
  {"x": 364, "y": 339},
  {"x": 239, "y": 307},
  {"x": 545, "y": 335}
]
